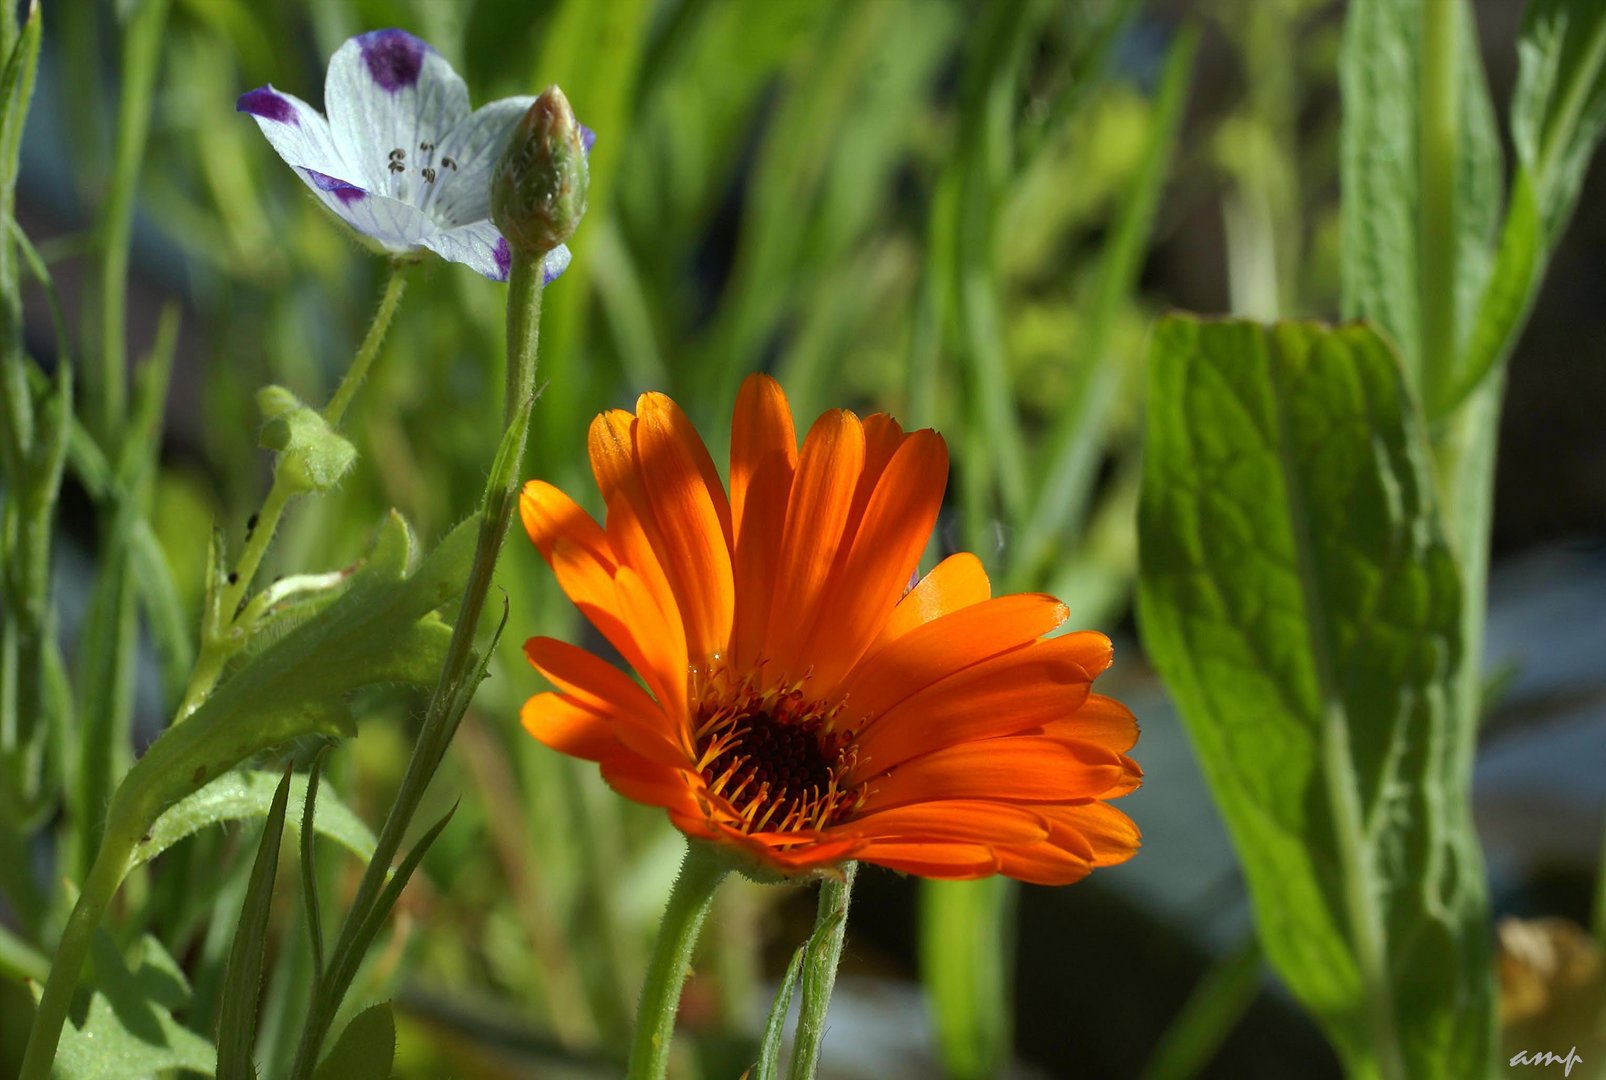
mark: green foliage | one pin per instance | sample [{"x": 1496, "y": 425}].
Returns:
[
  {"x": 768, "y": 1065},
  {"x": 1299, "y": 597},
  {"x": 366, "y": 1050},
  {"x": 247, "y": 794},
  {"x": 1387, "y": 244},
  {"x": 242, "y": 980},
  {"x": 381, "y": 629},
  {"x": 129, "y": 1030},
  {"x": 312, "y": 455}
]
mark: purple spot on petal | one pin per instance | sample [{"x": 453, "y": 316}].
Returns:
[
  {"x": 587, "y": 137},
  {"x": 340, "y": 189},
  {"x": 504, "y": 258},
  {"x": 394, "y": 57},
  {"x": 267, "y": 103}
]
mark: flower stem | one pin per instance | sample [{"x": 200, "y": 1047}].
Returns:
[
  {"x": 394, "y": 287},
  {"x": 525, "y": 283},
  {"x": 221, "y": 640},
  {"x": 105, "y": 875},
  {"x": 689, "y": 902},
  {"x": 819, "y": 971}
]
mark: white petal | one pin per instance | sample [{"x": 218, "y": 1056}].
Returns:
[
  {"x": 480, "y": 247},
  {"x": 465, "y": 159},
  {"x": 392, "y": 224},
  {"x": 390, "y": 99},
  {"x": 295, "y": 129},
  {"x": 477, "y": 245}
]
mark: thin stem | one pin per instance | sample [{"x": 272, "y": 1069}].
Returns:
[
  {"x": 688, "y": 906},
  {"x": 1440, "y": 129},
  {"x": 221, "y": 641},
  {"x": 99, "y": 887},
  {"x": 394, "y": 287},
  {"x": 525, "y": 284},
  {"x": 819, "y": 971}
]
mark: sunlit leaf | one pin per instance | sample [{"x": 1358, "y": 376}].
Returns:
[
  {"x": 1300, "y": 600},
  {"x": 129, "y": 1030}
]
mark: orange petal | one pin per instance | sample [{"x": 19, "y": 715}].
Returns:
[
  {"x": 761, "y": 426},
  {"x": 951, "y": 861},
  {"x": 1043, "y": 864},
  {"x": 937, "y": 650},
  {"x": 816, "y": 515},
  {"x": 549, "y": 514},
  {"x": 607, "y": 691},
  {"x": 1008, "y": 694},
  {"x": 689, "y": 523},
  {"x": 957, "y": 582},
  {"x": 1110, "y": 835},
  {"x": 975, "y": 820},
  {"x": 642, "y": 781},
  {"x": 592, "y": 588},
  {"x": 1024, "y": 768},
  {"x": 660, "y": 640},
  {"x": 758, "y": 556},
  {"x": 882, "y": 438},
  {"x": 886, "y": 548},
  {"x": 568, "y": 727},
  {"x": 633, "y": 548},
  {"x": 1102, "y": 721},
  {"x": 611, "y": 442}
]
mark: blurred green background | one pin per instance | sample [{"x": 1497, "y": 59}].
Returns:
[{"x": 966, "y": 214}]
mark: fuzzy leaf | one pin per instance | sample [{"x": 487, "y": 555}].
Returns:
[
  {"x": 1299, "y": 598},
  {"x": 382, "y": 629},
  {"x": 129, "y": 1030},
  {"x": 248, "y": 793}
]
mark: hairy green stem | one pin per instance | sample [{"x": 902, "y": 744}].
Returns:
[
  {"x": 221, "y": 641},
  {"x": 99, "y": 887},
  {"x": 689, "y": 901},
  {"x": 819, "y": 971},
  {"x": 525, "y": 283},
  {"x": 394, "y": 287}
]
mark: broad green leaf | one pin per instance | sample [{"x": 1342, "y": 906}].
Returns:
[
  {"x": 1298, "y": 596},
  {"x": 1380, "y": 75},
  {"x": 381, "y": 629},
  {"x": 366, "y": 1050},
  {"x": 242, "y": 983},
  {"x": 248, "y": 793},
  {"x": 129, "y": 1030}
]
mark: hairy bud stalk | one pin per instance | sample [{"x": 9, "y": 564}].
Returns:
[{"x": 538, "y": 194}]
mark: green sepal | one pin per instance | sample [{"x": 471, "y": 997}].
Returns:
[{"x": 312, "y": 455}]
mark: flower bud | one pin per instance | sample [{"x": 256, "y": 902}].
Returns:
[{"x": 538, "y": 194}]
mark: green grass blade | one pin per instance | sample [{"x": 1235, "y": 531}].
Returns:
[{"x": 242, "y": 986}]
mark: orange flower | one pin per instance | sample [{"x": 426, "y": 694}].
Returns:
[{"x": 803, "y": 705}]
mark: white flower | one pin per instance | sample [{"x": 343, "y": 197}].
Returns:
[{"x": 401, "y": 158}]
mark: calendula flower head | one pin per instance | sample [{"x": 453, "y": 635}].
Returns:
[
  {"x": 803, "y": 705},
  {"x": 401, "y": 157}
]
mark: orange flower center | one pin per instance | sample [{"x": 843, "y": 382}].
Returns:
[{"x": 772, "y": 757}]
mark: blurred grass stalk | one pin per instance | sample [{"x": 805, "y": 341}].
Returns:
[{"x": 967, "y": 938}]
